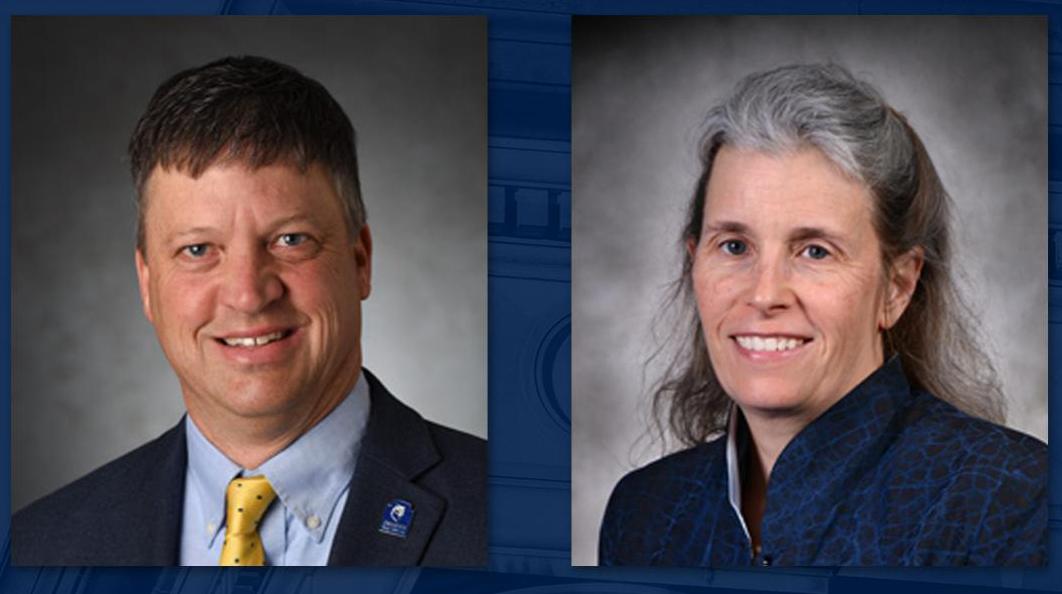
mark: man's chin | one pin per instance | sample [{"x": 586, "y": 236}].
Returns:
[
  {"x": 263, "y": 404},
  {"x": 259, "y": 399}
]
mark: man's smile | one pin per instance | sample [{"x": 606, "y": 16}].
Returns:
[{"x": 248, "y": 341}]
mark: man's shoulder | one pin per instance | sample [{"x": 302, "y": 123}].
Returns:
[
  {"x": 403, "y": 438},
  {"x": 96, "y": 519},
  {"x": 458, "y": 447},
  {"x": 461, "y": 472}
]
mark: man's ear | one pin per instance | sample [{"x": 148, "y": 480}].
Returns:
[
  {"x": 143, "y": 281},
  {"x": 363, "y": 259},
  {"x": 903, "y": 279}
]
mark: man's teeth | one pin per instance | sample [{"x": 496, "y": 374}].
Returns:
[
  {"x": 251, "y": 341},
  {"x": 758, "y": 343}
]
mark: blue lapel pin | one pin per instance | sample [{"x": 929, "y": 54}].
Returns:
[{"x": 397, "y": 517}]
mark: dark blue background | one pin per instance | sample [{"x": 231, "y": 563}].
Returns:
[{"x": 530, "y": 324}]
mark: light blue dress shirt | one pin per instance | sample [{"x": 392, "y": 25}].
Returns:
[{"x": 311, "y": 478}]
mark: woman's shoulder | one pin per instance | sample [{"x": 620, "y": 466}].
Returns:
[
  {"x": 698, "y": 472},
  {"x": 656, "y": 508},
  {"x": 986, "y": 477},
  {"x": 946, "y": 434},
  {"x": 699, "y": 463}
]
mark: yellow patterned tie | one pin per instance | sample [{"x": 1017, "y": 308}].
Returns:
[{"x": 246, "y": 501}]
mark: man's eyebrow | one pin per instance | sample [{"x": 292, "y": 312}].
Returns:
[
  {"x": 177, "y": 235},
  {"x": 295, "y": 218}
]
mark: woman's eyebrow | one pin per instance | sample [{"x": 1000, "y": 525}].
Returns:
[
  {"x": 797, "y": 234},
  {"x": 726, "y": 227},
  {"x": 805, "y": 233}
]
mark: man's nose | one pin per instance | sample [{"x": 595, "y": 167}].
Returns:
[
  {"x": 771, "y": 289},
  {"x": 250, "y": 281}
]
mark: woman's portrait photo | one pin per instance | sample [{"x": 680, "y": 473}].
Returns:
[{"x": 809, "y": 291}]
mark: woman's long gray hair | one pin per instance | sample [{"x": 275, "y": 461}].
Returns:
[{"x": 825, "y": 107}]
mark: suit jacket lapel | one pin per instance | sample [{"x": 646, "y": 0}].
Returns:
[{"x": 396, "y": 449}]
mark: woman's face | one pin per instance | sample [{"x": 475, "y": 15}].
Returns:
[{"x": 789, "y": 281}]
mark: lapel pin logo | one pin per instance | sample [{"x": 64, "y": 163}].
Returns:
[{"x": 397, "y": 517}]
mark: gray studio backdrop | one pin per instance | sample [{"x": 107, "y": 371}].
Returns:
[
  {"x": 89, "y": 379},
  {"x": 975, "y": 89}
]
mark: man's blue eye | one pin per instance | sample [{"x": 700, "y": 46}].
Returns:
[
  {"x": 291, "y": 239},
  {"x": 734, "y": 247},
  {"x": 196, "y": 250},
  {"x": 816, "y": 252}
]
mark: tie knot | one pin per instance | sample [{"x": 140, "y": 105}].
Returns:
[{"x": 246, "y": 500}]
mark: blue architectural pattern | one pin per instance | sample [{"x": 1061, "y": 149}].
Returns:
[{"x": 529, "y": 235}]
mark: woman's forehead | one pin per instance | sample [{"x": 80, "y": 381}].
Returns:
[{"x": 798, "y": 188}]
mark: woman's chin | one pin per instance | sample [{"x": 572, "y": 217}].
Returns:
[{"x": 773, "y": 396}]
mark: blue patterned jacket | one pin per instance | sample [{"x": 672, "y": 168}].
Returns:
[{"x": 887, "y": 476}]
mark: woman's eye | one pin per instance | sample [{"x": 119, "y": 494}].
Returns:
[
  {"x": 196, "y": 250},
  {"x": 816, "y": 252},
  {"x": 734, "y": 247},
  {"x": 291, "y": 239}
]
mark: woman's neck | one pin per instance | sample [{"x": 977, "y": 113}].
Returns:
[{"x": 767, "y": 438}]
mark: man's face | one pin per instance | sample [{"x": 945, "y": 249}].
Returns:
[{"x": 254, "y": 284}]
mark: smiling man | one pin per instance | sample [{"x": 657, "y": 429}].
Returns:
[{"x": 253, "y": 256}]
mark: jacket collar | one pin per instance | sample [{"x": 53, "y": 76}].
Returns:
[
  {"x": 397, "y": 449},
  {"x": 858, "y": 427},
  {"x": 824, "y": 462}
]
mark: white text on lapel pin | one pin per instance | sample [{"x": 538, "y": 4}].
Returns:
[{"x": 397, "y": 517}]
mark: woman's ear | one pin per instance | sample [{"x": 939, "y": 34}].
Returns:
[{"x": 903, "y": 279}]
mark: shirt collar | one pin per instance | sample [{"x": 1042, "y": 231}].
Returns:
[
  {"x": 734, "y": 454},
  {"x": 209, "y": 472},
  {"x": 308, "y": 476}
]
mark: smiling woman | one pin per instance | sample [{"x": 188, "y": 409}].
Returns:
[{"x": 827, "y": 344}]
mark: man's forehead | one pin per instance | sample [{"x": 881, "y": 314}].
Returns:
[
  {"x": 239, "y": 176},
  {"x": 195, "y": 168},
  {"x": 275, "y": 192}
]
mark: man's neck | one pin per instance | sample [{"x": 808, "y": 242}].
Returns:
[{"x": 251, "y": 441}]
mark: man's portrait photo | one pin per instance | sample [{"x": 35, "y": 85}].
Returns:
[
  {"x": 808, "y": 274},
  {"x": 249, "y": 291}
]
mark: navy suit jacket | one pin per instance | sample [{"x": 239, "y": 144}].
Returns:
[
  {"x": 889, "y": 475},
  {"x": 128, "y": 512}
]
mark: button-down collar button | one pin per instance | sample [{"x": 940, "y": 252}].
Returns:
[
  {"x": 313, "y": 522},
  {"x": 765, "y": 561}
]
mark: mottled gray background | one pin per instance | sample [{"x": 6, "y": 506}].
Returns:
[
  {"x": 89, "y": 379},
  {"x": 974, "y": 88}
]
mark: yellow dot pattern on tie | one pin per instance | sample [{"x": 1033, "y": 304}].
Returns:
[{"x": 246, "y": 501}]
